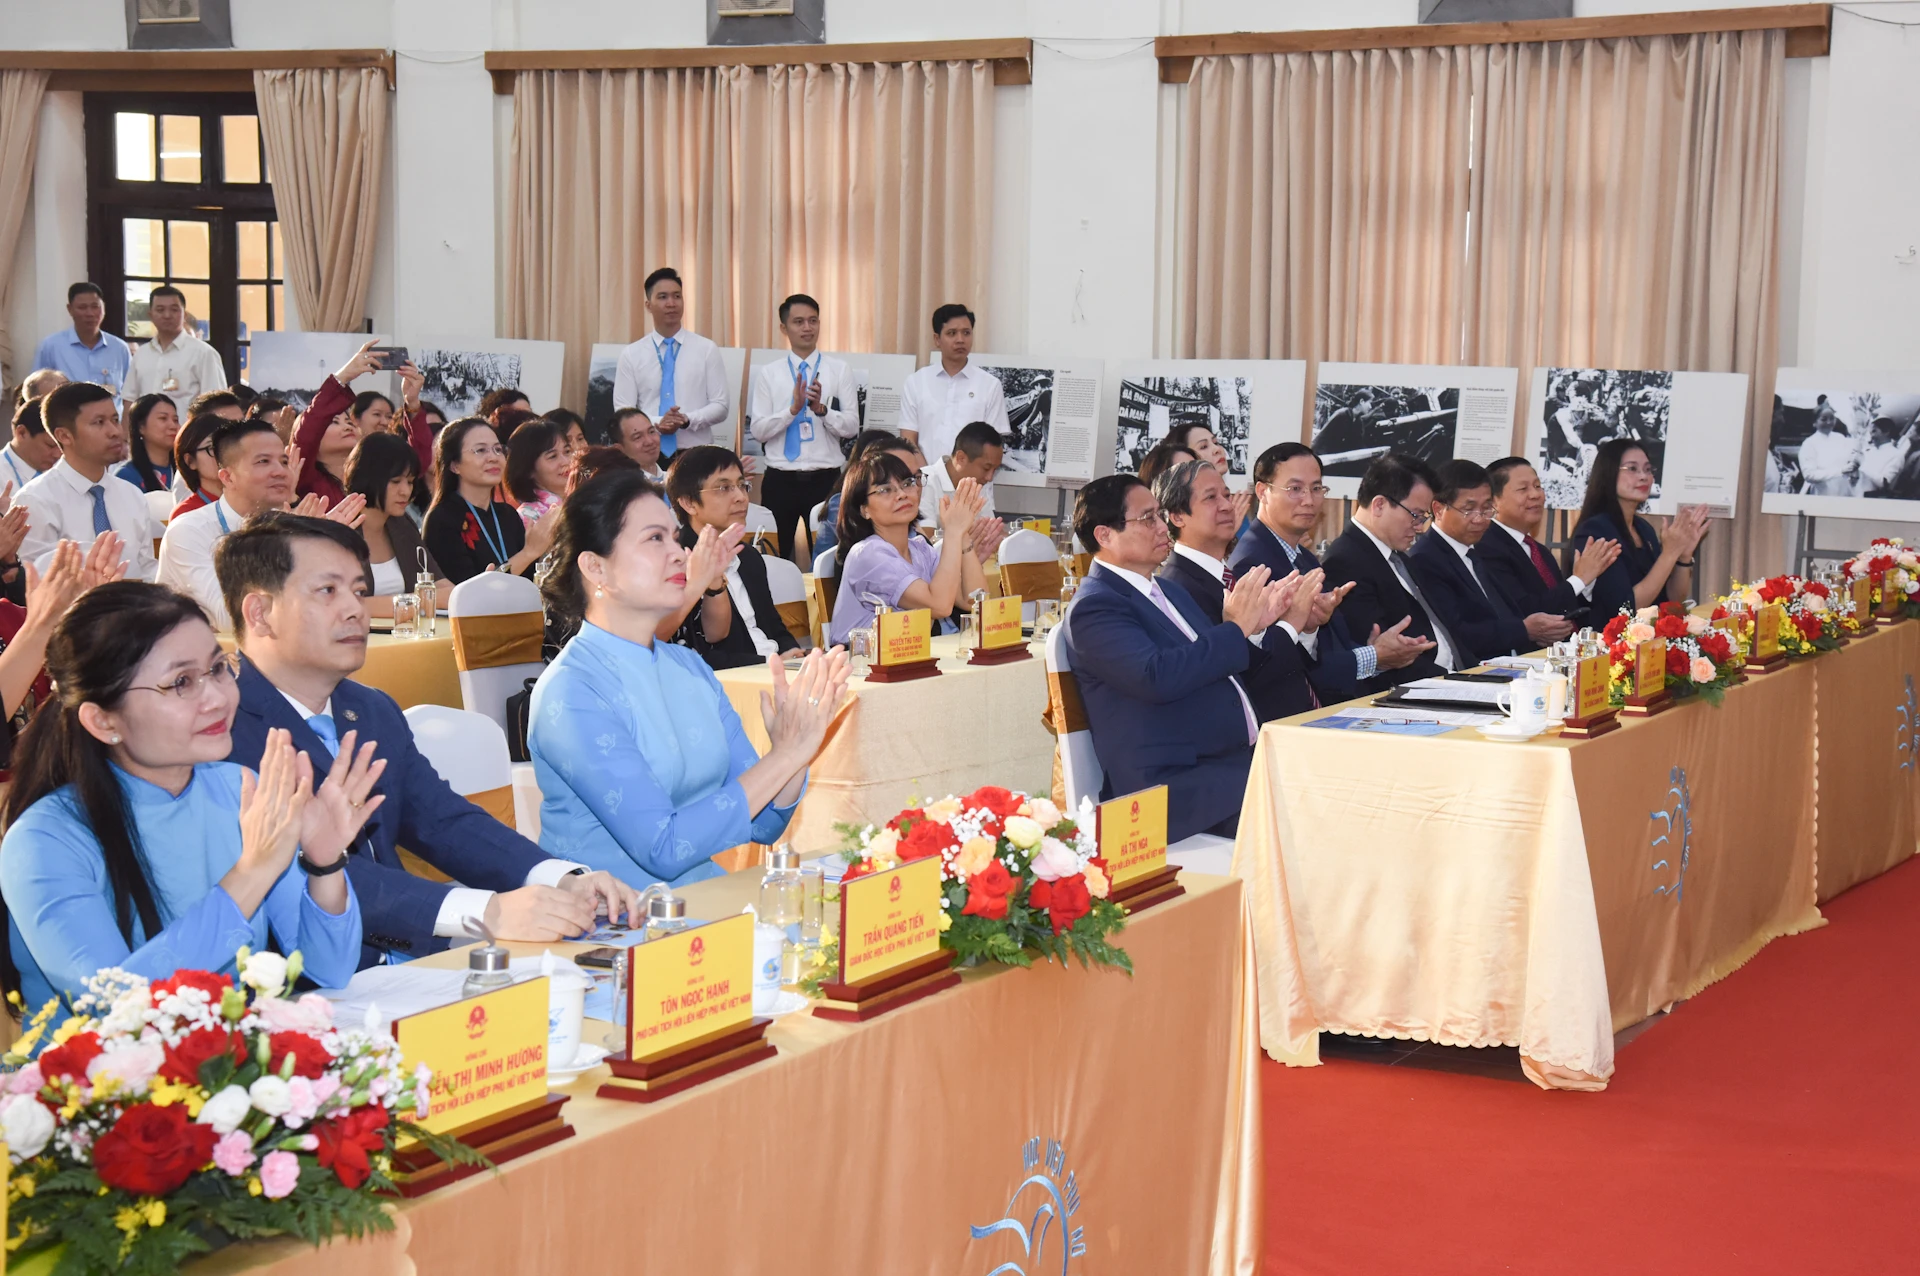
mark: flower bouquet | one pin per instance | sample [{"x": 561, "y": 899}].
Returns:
[
  {"x": 1818, "y": 619},
  {"x": 1018, "y": 877},
  {"x": 1892, "y": 566},
  {"x": 1701, "y": 660},
  {"x": 163, "y": 1120}
]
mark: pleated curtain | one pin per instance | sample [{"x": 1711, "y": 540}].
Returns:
[{"x": 20, "y": 94}]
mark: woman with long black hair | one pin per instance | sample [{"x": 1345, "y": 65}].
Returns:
[
  {"x": 467, "y": 531},
  {"x": 1650, "y": 569},
  {"x": 153, "y": 423}
]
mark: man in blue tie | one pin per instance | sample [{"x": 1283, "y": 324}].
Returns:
[
  {"x": 799, "y": 410},
  {"x": 674, "y": 375},
  {"x": 79, "y": 498},
  {"x": 296, "y": 588},
  {"x": 1161, "y": 683}
]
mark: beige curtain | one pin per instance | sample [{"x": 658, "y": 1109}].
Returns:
[
  {"x": 1627, "y": 197},
  {"x": 325, "y": 132},
  {"x": 867, "y": 186},
  {"x": 20, "y": 94}
]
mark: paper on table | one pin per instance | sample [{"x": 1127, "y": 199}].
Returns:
[
  {"x": 1451, "y": 717},
  {"x": 1405, "y": 724},
  {"x": 1486, "y": 693},
  {"x": 1518, "y": 662},
  {"x": 393, "y": 992}
]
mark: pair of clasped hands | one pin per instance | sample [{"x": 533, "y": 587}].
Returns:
[{"x": 1257, "y": 602}]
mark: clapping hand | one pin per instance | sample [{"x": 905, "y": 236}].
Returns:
[
  {"x": 106, "y": 560},
  {"x": 959, "y": 511},
  {"x": 1242, "y": 506},
  {"x": 540, "y": 532},
  {"x": 1594, "y": 558},
  {"x": 49, "y": 596},
  {"x": 1686, "y": 529},
  {"x": 330, "y": 822},
  {"x": 1305, "y": 599},
  {"x": 798, "y": 713},
  {"x": 1257, "y": 600},
  {"x": 13, "y": 525},
  {"x": 799, "y": 392},
  {"x": 1324, "y": 605},
  {"x": 985, "y": 537},
  {"x": 312, "y": 505},
  {"x": 350, "y": 510},
  {"x": 713, "y": 552},
  {"x": 1392, "y": 648},
  {"x": 273, "y": 806}
]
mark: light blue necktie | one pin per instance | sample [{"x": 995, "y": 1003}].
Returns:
[
  {"x": 101, "y": 523},
  {"x": 323, "y": 727},
  {"x": 806, "y": 410},
  {"x": 669, "y": 443}
]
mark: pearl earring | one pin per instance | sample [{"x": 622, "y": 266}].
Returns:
[
  {"x": 116, "y": 739},
  {"x": 599, "y": 593}
]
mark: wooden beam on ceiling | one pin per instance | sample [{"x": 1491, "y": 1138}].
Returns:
[
  {"x": 172, "y": 70},
  {"x": 1012, "y": 59}
]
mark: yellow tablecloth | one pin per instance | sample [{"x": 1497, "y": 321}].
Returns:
[
  {"x": 876, "y": 1147},
  {"x": 1538, "y": 895},
  {"x": 1867, "y": 718},
  {"x": 904, "y": 740}
]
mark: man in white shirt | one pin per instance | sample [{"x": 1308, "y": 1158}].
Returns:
[
  {"x": 976, "y": 454},
  {"x": 942, "y": 397},
  {"x": 32, "y": 451},
  {"x": 175, "y": 363},
  {"x": 255, "y": 477},
  {"x": 635, "y": 434},
  {"x": 78, "y": 498},
  {"x": 673, "y": 375},
  {"x": 799, "y": 409},
  {"x": 1827, "y": 460}
]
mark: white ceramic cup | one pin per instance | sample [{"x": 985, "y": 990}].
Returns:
[
  {"x": 766, "y": 967},
  {"x": 566, "y": 1010},
  {"x": 1524, "y": 701}
]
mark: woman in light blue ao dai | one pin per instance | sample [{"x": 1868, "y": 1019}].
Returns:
[{"x": 644, "y": 768}]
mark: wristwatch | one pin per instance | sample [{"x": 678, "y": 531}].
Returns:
[{"x": 315, "y": 870}]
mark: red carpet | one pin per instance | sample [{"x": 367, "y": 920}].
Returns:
[{"x": 1768, "y": 1125}]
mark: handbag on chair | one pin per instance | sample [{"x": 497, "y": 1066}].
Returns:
[{"x": 519, "y": 714}]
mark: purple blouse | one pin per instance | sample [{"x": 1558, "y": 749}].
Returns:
[{"x": 875, "y": 567}]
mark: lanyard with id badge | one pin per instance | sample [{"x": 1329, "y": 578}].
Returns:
[{"x": 805, "y": 419}]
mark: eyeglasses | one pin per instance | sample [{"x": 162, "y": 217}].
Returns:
[
  {"x": 483, "y": 450},
  {"x": 897, "y": 487},
  {"x": 1637, "y": 469},
  {"x": 187, "y": 686},
  {"x": 726, "y": 489},
  {"x": 1154, "y": 515},
  {"x": 1420, "y": 517},
  {"x": 1295, "y": 492},
  {"x": 1473, "y": 511}
]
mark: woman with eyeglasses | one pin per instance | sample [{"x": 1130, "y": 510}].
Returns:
[
  {"x": 731, "y": 620},
  {"x": 194, "y": 461},
  {"x": 1650, "y": 568},
  {"x": 467, "y": 531},
  {"x": 132, "y": 843},
  {"x": 880, "y": 557}
]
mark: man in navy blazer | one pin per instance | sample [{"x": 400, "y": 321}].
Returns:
[
  {"x": 1290, "y": 493},
  {"x": 1512, "y": 559},
  {"x": 296, "y": 589},
  {"x": 1161, "y": 683}
]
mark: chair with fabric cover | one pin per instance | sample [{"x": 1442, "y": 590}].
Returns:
[
  {"x": 823, "y": 590},
  {"x": 160, "y": 507},
  {"x": 763, "y": 533},
  {"x": 469, "y": 751},
  {"x": 788, "y": 585},
  {"x": 816, "y": 520},
  {"x": 497, "y": 629},
  {"x": 1029, "y": 567}
]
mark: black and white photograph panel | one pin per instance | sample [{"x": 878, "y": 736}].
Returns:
[
  {"x": 457, "y": 380},
  {"x": 1584, "y": 408},
  {"x": 292, "y": 366},
  {"x": 602, "y": 364},
  {"x": 1029, "y": 397},
  {"x": 1354, "y": 425},
  {"x": 1845, "y": 443},
  {"x": 752, "y": 8},
  {"x": 1151, "y": 408}
]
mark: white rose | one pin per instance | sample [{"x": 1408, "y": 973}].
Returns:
[
  {"x": 28, "y": 1125},
  {"x": 1055, "y": 861},
  {"x": 1023, "y": 832},
  {"x": 271, "y": 1095},
  {"x": 226, "y": 1110},
  {"x": 265, "y": 971},
  {"x": 1813, "y": 602}
]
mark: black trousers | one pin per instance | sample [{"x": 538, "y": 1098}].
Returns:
[{"x": 791, "y": 496}]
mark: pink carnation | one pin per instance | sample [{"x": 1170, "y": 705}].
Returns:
[
  {"x": 305, "y": 1102},
  {"x": 278, "y": 1174},
  {"x": 234, "y": 1153},
  {"x": 312, "y": 1013},
  {"x": 26, "y": 1081}
]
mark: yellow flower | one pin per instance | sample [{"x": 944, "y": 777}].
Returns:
[
  {"x": 71, "y": 1028},
  {"x": 1023, "y": 832},
  {"x": 975, "y": 856},
  {"x": 156, "y": 1212},
  {"x": 129, "y": 1219},
  {"x": 165, "y": 1092},
  {"x": 946, "y": 920},
  {"x": 253, "y": 1185}
]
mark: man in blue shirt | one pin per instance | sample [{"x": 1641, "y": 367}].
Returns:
[{"x": 83, "y": 352}]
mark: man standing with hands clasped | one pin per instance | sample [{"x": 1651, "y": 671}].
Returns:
[
  {"x": 674, "y": 376},
  {"x": 799, "y": 409},
  {"x": 176, "y": 362},
  {"x": 944, "y": 396}
]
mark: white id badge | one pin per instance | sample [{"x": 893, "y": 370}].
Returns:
[{"x": 806, "y": 430}]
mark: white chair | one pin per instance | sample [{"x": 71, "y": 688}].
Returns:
[
  {"x": 1082, "y": 777},
  {"x": 823, "y": 590},
  {"x": 160, "y": 507},
  {"x": 504, "y": 626},
  {"x": 763, "y": 533},
  {"x": 823, "y": 561},
  {"x": 1029, "y": 567},
  {"x": 469, "y": 750},
  {"x": 788, "y": 585},
  {"x": 816, "y": 520}
]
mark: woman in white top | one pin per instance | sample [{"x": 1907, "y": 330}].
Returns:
[{"x": 384, "y": 469}]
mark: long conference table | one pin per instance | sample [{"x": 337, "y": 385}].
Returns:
[{"x": 1545, "y": 895}]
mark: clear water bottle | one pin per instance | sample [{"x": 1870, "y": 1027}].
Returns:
[
  {"x": 783, "y": 898},
  {"x": 427, "y": 592},
  {"x": 664, "y": 912},
  {"x": 487, "y": 969}
]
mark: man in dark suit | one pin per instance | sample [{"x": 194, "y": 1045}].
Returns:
[
  {"x": 1511, "y": 558},
  {"x": 735, "y": 623},
  {"x": 1202, "y": 521},
  {"x": 1161, "y": 683},
  {"x": 296, "y": 588},
  {"x": 1287, "y": 485},
  {"x": 1394, "y": 505},
  {"x": 1474, "y": 609}
]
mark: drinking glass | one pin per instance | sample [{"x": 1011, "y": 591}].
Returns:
[
  {"x": 406, "y": 615},
  {"x": 1046, "y": 614},
  {"x": 860, "y": 651}
]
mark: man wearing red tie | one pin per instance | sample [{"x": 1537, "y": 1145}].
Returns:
[{"x": 1519, "y": 563}]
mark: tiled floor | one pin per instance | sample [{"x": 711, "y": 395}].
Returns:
[{"x": 1498, "y": 1063}]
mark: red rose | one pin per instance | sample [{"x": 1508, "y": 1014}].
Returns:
[
  {"x": 1615, "y": 630},
  {"x": 927, "y": 839},
  {"x": 310, "y": 1058},
  {"x": 1720, "y": 613},
  {"x": 1618, "y": 653},
  {"x": 197, "y": 1047},
  {"x": 1716, "y": 648},
  {"x": 1815, "y": 587},
  {"x": 1670, "y": 627},
  {"x": 988, "y": 891},
  {"x": 1002, "y": 802},
  {"x": 346, "y": 1140},
  {"x": 71, "y": 1058},
  {"x": 215, "y": 986},
  {"x": 1677, "y": 662},
  {"x": 1066, "y": 901},
  {"x": 1809, "y": 626},
  {"x": 151, "y": 1151},
  {"x": 857, "y": 869}
]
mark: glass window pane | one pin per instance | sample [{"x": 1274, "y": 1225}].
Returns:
[
  {"x": 253, "y": 309},
  {"x": 146, "y": 249},
  {"x": 199, "y": 305},
  {"x": 253, "y": 250},
  {"x": 180, "y": 148},
  {"x": 240, "y": 148},
  {"x": 190, "y": 253},
  {"x": 278, "y": 262},
  {"x": 138, "y": 325},
  {"x": 133, "y": 147},
  {"x": 279, "y": 323}
]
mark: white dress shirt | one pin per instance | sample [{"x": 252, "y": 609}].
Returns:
[
  {"x": 936, "y": 407},
  {"x": 1584, "y": 588},
  {"x": 1146, "y": 588},
  {"x": 186, "y": 556},
  {"x": 1442, "y": 645},
  {"x": 191, "y": 364},
  {"x": 737, "y": 594},
  {"x": 16, "y": 471},
  {"x": 769, "y": 412},
  {"x": 935, "y": 483},
  {"x": 60, "y": 507},
  {"x": 699, "y": 383}
]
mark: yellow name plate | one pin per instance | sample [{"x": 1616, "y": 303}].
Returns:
[
  {"x": 1000, "y": 623},
  {"x": 689, "y": 984},
  {"x": 889, "y": 920},
  {"x": 906, "y": 637},
  {"x": 1592, "y": 677},
  {"x": 1862, "y": 597},
  {"x": 1044, "y": 526},
  {"x": 1766, "y": 631},
  {"x": 1650, "y": 667},
  {"x": 1132, "y": 834},
  {"x": 488, "y": 1053}
]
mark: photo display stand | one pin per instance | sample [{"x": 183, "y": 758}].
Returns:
[
  {"x": 1131, "y": 832},
  {"x": 1001, "y": 641}
]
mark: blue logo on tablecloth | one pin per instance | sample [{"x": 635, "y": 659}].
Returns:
[
  {"x": 1903, "y": 730},
  {"x": 1053, "y": 1202},
  {"x": 1675, "y": 822}
]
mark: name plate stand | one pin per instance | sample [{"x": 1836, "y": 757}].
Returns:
[
  {"x": 1001, "y": 642},
  {"x": 1131, "y": 831},
  {"x": 1766, "y": 654},
  {"x": 1591, "y": 715},
  {"x": 904, "y": 647},
  {"x": 1889, "y": 613},
  {"x": 689, "y": 1012},
  {"x": 1650, "y": 695},
  {"x": 1860, "y": 590},
  {"x": 489, "y": 1088},
  {"x": 890, "y": 954}
]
